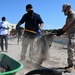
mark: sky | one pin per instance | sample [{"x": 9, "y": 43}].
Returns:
[{"x": 49, "y": 10}]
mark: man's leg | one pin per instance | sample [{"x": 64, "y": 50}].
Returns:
[
  {"x": 18, "y": 37},
  {"x": 24, "y": 47},
  {"x": 6, "y": 42},
  {"x": 2, "y": 43},
  {"x": 71, "y": 52},
  {"x": 31, "y": 48}
]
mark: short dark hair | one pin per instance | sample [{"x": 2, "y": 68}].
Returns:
[
  {"x": 28, "y": 6},
  {"x": 3, "y": 18}
]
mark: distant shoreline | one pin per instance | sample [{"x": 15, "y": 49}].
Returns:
[{"x": 61, "y": 40}]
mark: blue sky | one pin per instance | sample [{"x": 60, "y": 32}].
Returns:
[{"x": 49, "y": 10}]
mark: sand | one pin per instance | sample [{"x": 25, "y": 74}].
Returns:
[{"x": 57, "y": 57}]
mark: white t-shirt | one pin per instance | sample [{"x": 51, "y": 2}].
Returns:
[{"x": 4, "y": 31}]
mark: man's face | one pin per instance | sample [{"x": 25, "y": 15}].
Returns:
[
  {"x": 29, "y": 9},
  {"x": 66, "y": 13}
]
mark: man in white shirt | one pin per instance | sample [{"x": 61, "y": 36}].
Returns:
[{"x": 4, "y": 33}]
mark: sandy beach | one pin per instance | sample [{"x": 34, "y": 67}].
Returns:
[{"x": 57, "y": 56}]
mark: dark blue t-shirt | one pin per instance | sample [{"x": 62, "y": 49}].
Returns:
[{"x": 31, "y": 22}]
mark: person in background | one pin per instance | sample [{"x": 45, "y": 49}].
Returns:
[
  {"x": 33, "y": 23},
  {"x": 69, "y": 28},
  {"x": 19, "y": 34},
  {"x": 4, "y": 33}
]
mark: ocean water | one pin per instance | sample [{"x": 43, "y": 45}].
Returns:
[{"x": 61, "y": 40}]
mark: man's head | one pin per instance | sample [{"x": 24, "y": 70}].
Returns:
[
  {"x": 3, "y": 18},
  {"x": 29, "y": 7},
  {"x": 66, "y": 8}
]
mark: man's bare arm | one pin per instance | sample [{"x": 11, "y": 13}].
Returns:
[
  {"x": 41, "y": 26},
  {"x": 67, "y": 25}
]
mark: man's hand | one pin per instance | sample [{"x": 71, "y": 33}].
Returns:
[
  {"x": 60, "y": 32},
  {"x": 17, "y": 27}
]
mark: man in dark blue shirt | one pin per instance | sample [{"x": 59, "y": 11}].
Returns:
[{"x": 33, "y": 23}]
